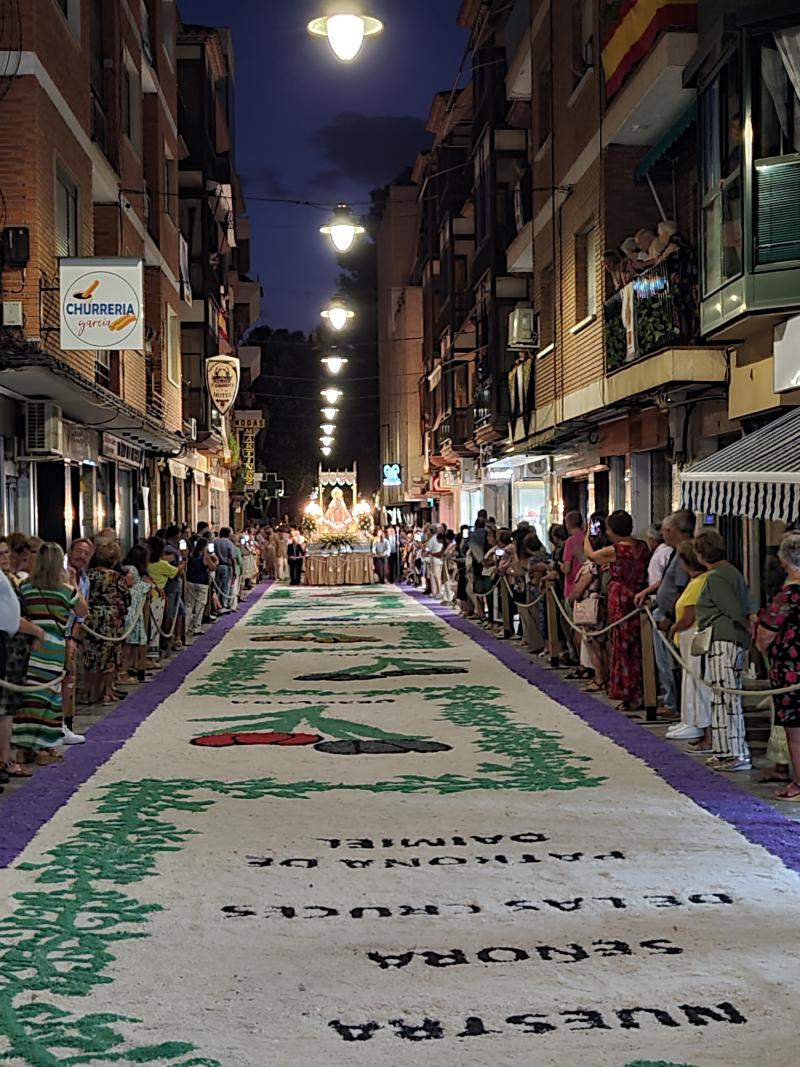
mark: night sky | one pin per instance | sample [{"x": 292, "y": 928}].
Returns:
[{"x": 311, "y": 128}]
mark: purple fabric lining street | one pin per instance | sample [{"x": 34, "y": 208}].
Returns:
[
  {"x": 755, "y": 820},
  {"x": 23, "y": 813}
]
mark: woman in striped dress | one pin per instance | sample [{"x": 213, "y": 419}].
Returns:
[{"x": 47, "y": 597}]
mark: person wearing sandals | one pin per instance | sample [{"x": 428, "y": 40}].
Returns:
[
  {"x": 695, "y": 702},
  {"x": 778, "y": 634},
  {"x": 47, "y": 597},
  {"x": 723, "y": 620},
  {"x": 628, "y": 558}
]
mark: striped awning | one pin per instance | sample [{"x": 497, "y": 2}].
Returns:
[{"x": 758, "y": 476}]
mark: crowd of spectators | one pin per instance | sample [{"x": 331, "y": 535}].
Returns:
[
  {"x": 83, "y": 628},
  {"x": 604, "y": 576}
]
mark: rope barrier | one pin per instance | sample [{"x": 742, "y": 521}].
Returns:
[
  {"x": 589, "y": 634},
  {"x": 783, "y": 691},
  {"x": 532, "y": 603},
  {"x": 13, "y": 688},
  {"x": 165, "y": 633},
  {"x": 230, "y": 597},
  {"x": 122, "y": 637}
]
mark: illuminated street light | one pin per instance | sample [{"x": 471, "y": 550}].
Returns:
[
  {"x": 345, "y": 25},
  {"x": 329, "y": 413},
  {"x": 342, "y": 228},
  {"x": 337, "y": 314},
  {"x": 334, "y": 363},
  {"x": 326, "y": 440},
  {"x": 327, "y": 427},
  {"x": 325, "y": 450},
  {"x": 331, "y": 394}
]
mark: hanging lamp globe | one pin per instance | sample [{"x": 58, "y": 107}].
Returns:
[
  {"x": 326, "y": 440},
  {"x": 334, "y": 363},
  {"x": 331, "y": 394},
  {"x": 329, "y": 413},
  {"x": 337, "y": 314},
  {"x": 345, "y": 25},
  {"x": 325, "y": 450},
  {"x": 342, "y": 228},
  {"x": 327, "y": 427}
]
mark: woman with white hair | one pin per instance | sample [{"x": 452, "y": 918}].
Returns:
[{"x": 779, "y": 634}]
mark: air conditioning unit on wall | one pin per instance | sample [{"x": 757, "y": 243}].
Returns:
[
  {"x": 44, "y": 429},
  {"x": 523, "y": 328}
]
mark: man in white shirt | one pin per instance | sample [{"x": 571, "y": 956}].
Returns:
[
  {"x": 381, "y": 549},
  {"x": 435, "y": 550}
]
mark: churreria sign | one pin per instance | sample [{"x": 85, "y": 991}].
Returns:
[{"x": 101, "y": 304}]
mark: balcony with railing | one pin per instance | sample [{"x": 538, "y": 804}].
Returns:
[
  {"x": 651, "y": 328},
  {"x": 454, "y": 432},
  {"x": 657, "y": 310}
]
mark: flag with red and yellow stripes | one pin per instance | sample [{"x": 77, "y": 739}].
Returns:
[{"x": 635, "y": 31}]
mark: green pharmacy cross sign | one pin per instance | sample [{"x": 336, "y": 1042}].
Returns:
[{"x": 272, "y": 486}]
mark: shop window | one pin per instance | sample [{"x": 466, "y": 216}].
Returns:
[
  {"x": 66, "y": 214},
  {"x": 722, "y": 129},
  {"x": 776, "y": 146}
]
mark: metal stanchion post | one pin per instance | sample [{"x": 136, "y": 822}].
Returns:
[
  {"x": 505, "y": 605},
  {"x": 649, "y": 674},
  {"x": 552, "y": 624}
]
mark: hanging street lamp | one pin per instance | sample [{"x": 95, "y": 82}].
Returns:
[
  {"x": 325, "y": 450},
  {"x": 331, "y": 394},
  {"x": 337, "y": 314},
  {"x": 346, "y": 26},
  {"x": 342, "y": 228},
  {"x": 327, "y": 427},
  {"x": 329, "y": 413},
  {"x": 334, "y": 364},
  {"x": 326, "y": 440}
]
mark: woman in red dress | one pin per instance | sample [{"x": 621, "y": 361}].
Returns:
[{"x": 628, "y": 558}]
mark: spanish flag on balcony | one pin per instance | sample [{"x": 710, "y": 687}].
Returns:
[{"x": 635, "y": 30}]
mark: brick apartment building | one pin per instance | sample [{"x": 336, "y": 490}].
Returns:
[
  {"x": 89, "y": 166},
  {"x": 597, "y": 110}
]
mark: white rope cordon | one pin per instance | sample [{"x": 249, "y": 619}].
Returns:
[
  {"x": 230, "y": 597},
  {"x": 12, "y": 688},
  {"x": 122, "y": 637},
  {"x": 717, "y": 688},
  {"x": 165, "y": 633},
  {"x": 589, "y": 634}
]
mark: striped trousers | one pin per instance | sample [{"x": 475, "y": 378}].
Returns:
[{"x": 724, "y": 666}]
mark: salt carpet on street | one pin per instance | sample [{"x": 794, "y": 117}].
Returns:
[{"x": 348, "y": 828}]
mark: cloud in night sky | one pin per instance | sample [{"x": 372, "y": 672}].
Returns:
[
  {"x": 265, "y": 181},
  {"x": 367, "y": 149}
]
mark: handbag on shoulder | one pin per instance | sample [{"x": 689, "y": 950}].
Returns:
[{"x": 586, "y": 612}]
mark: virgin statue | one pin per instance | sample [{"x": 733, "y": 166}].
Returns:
[{"x": 338, "y": 516}]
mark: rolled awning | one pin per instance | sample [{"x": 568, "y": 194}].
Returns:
[
  {"x": 758, "y": 476},
  {"x": 676, "y": 130}
]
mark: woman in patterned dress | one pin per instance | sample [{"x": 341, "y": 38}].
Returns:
[
  {"x": 109, "y": 598},
  {"x": 779, "y": 634},
  {"x": 47, "y": 597},
  {"x": 628, "y": 559}
]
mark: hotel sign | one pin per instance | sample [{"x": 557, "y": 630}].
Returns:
[
  {"x": 101, "y": 304},
  {"x": 222, "y": 377}
]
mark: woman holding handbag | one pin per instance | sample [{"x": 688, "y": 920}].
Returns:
[{"x": 589, "y": 612}]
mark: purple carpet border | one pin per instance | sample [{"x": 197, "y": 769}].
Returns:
[
  {"x": 26, "y": 810},
  {"x": 755, "y": 820}
]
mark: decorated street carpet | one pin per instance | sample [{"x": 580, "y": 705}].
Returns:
[{"x": 346, "y": 827}]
